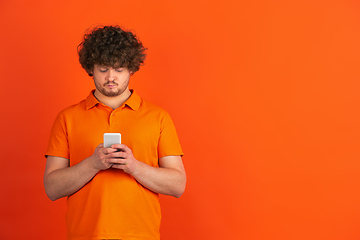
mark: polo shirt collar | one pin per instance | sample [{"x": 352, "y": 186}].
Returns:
[
  {"x": 91, "y": 100},
  {"x": 133, "y": 102}
]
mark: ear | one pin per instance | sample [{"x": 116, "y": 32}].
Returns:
[{"x": 91, "y": 72}]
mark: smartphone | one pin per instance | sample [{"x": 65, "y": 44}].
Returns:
[{"x": 111, "y": 138}]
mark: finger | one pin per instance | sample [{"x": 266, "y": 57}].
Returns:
[
  {"x": 107, "y": 151},
  {"x": 122, "y": 147},
  {"x": 118, "y": 166},
  {"x": 120, "y": 161},
  {"x": 118, "y": 155}
]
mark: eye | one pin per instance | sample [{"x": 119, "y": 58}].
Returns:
[
  {"x": 119, "y": 69},
  {"x": 103, "y": 70}
]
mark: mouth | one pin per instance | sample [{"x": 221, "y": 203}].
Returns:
[{"x": 110, "y": 85}]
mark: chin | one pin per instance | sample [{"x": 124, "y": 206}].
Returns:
[{"x": 112, "y": 93}]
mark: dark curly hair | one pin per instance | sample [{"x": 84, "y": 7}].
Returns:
[{"x": 111, "y": 46}]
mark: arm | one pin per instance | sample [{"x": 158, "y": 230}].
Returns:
[
  {"x": 61, "y": 180},
  {"x": 169, "y": 178}
]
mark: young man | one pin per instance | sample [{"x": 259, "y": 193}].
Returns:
[{"x": 113, "y": 192}]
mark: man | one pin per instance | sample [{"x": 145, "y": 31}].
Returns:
[{"x": 113, "y": 192}]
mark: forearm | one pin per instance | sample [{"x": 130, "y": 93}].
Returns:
[
  {"x": 169, "y": 178},
  {"x": 161, "y": 180},
  {"x": 65, "y": 181}
]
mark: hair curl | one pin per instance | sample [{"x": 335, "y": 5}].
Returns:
[{"x": 111, "y": 46}]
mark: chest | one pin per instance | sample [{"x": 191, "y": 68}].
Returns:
[{"x": 140, "y": 131}]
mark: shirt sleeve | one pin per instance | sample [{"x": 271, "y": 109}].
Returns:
[
  {"x": 169, "y": 144},
  {"x": 58, "y": 142}
]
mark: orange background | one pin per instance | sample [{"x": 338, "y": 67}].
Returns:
[{"x": 264, "y": 95}]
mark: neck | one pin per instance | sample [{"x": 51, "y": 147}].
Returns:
[{"x": 113, "y": 102}]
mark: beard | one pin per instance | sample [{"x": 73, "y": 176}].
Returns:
[{"x": 114, "y": 92}]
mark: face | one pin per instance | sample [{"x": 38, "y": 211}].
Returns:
[{"x": 109, "y": 81}]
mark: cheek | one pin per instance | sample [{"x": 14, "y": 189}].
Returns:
[
  {"x": 98, "y": 79},
  {"x": 125, "y": 78}
]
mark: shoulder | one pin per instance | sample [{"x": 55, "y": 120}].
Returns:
[
  {"x": 151, "y": 106},
  {"x": 73, "y": 109},
  {"x": 156, "y": 114},
  {"x": 88, "y": 103},
  {"x": 153, "y": 109}
]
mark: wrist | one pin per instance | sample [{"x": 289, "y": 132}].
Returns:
[
  {"x": 136, "y": 168},
  {"x": 90, "y": 164}
]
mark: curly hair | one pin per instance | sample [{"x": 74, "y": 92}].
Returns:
[{"x": 111, "y": 46}]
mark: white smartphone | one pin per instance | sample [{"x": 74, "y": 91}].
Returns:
[{"x": 111, "y": 138}]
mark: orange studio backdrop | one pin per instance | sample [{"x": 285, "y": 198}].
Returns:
[{"x": 264, "y": 95}]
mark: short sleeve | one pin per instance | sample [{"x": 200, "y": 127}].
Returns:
[
  {"x": 58, "y": 142},
  {"x": 169, "y": 144}
]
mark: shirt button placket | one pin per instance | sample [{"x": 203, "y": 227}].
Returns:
[{"x": 112, "y": 117}]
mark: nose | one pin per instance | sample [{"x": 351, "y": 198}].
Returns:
[{"x": 111, "y": 75}]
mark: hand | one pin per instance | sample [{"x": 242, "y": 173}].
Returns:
[
  {"x": 100, "y": 157},
  {"x": 123, "y": 158}
]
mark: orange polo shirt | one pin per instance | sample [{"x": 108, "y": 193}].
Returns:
[{"x": 113, "y": 205}]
